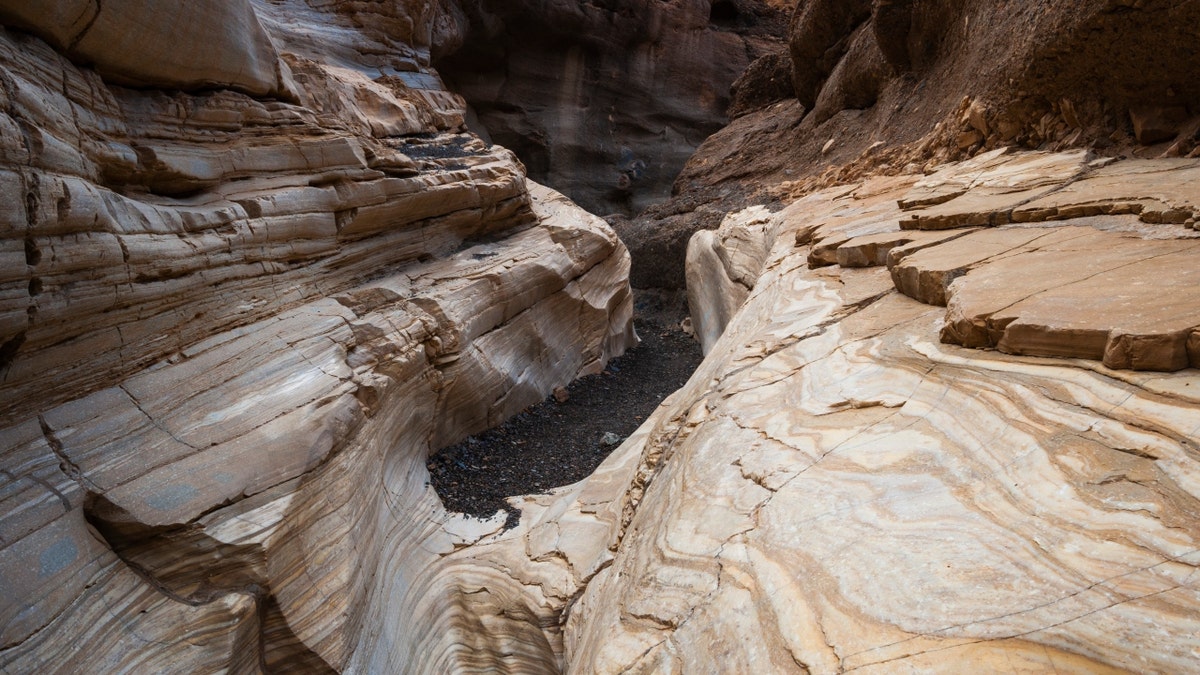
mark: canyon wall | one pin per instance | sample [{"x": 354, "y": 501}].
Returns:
[
  {"x": 947, "y": 420},
  {"x": 607, "y": 100},
  {"x": 241, "y": 304}
]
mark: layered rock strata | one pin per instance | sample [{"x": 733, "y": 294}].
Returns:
[
  {"x": 233, "y": 328},
  {"x": 838, "y": 488},
  {"x": 886, "y": 87},
  {"x": 236, "y": 316}
]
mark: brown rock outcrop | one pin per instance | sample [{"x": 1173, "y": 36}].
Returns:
[
  {"x": 899, "y": 86},
  {"x": 765, "y": 81}
]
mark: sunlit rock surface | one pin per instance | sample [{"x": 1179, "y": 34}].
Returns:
[
  {"x": 232, "y": 327},
  {"x": 840, "y": 489}
]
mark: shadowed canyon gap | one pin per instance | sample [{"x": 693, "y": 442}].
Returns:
[{"x": 259, "y": 264}]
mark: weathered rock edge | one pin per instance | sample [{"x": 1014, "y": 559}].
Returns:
[
  {"x": 233, "y": 328},
  {"x": 837, "y": 490}
]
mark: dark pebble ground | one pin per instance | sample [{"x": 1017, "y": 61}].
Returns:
[{"x": 552, "y": 444}]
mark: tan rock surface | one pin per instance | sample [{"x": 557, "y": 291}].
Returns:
[
  {"x": 835, "y": 490},
  {"x": 1120, "y": 289},
  {"x": 1096, "y": 295},
  {"x": 983, "y": 190},
  {"x": 201, "y": 43},
  {"x": 1158, "y": 191},
  {"x": 722, "y": 267},
  {"x": 286, "y": 419},
  {"x": 233, "y": 328}
]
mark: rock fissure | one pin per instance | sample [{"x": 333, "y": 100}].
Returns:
[
  {"x": 49, "y": 486},
  {"x": 66, "y": 465}
]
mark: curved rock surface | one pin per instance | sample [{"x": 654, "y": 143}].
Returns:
[
  {"x": 946, "y": 422},
  {"x": 837, "y": 489},
  {"x": 231, "y": 330}
]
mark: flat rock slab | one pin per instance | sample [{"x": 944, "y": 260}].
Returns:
[
  {"x": 1159, "y": 191},
  {"x": 1066, "y": 292},
  {"x": 829, "y": 218},
  {"x": 926, "y": 275},
  {"x": 984, "y": 190},
  {"x": 889, "y": 248}
]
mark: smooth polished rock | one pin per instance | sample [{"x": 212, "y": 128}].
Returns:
[
  {"x": 279, "y": 418},
  {"x": 232, "y": 328},
  {"x": 200, "y": 44},
  {"x": 836, "y": 489},
  {"x": 722, "y": 267}
]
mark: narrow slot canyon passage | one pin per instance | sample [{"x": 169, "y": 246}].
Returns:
[
  {"x": 588, "y": 118},
  {"x": 559, "y": 442}
]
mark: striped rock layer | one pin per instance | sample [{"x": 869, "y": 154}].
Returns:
[{"x": 239, "y": 306}]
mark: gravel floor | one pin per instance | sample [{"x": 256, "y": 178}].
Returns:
[{"x": 553, "y": 444}]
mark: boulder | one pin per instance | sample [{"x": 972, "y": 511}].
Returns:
[
  {"x": 196, "y": 45},
  {"x": 1155, "y": 124}
]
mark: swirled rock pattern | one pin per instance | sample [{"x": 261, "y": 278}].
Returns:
[
  {"x": 232, "y": 327},
  {"x": 946, "y": 422},
  {"x": 838, "y": 489}
]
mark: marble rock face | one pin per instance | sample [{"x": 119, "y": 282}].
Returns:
[
  {"x": 232, "y": 327},
  {"x": 840, "y": 488},
  {"x": 946, "y": 423}
]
